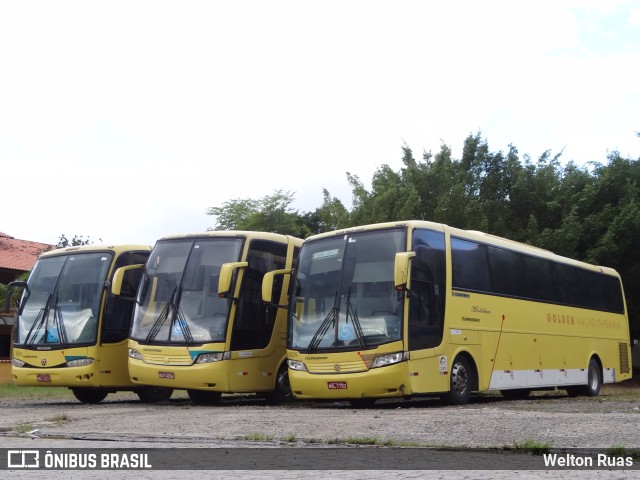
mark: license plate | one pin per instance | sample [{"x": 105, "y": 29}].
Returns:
[
  {"x": 337, "y": 385},
  {"x": 168, "y": 375},
  {"x": 44, "y": 378}
]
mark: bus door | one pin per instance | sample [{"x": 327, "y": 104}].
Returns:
[
  {"x": 425, "y": 314},
  {"x": 258, "y": 332},
  {"x": 116, "y": 321}
]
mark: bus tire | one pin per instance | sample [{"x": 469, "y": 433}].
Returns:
[
  {"x": 594, "y": 379},
  {"x": 516, "y": 393},
  {"x": 282, "y": 392},
  {"x": 154, "y": 394},
  {"x": 89, "y": 395},
  {"x": 204, "y": 397},
  {"x": 461, "y": 379}
]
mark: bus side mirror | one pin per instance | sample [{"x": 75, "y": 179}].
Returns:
[
  {"x": 119, "y": 277},
  {"x": 7, "y": 300},
  {"x": 401, "y": 270},
  {"x": 226, "y": 275},
  {"x": 267, "y": 284}
]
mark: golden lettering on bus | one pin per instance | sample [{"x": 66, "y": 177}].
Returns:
[{"x": 582, "y": 321}]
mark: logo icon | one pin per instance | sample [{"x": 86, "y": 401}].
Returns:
[
  {"x": 43, "y": 361},
  {"x": 336, "y": 367},
  {"x": 23, "y": 459}
]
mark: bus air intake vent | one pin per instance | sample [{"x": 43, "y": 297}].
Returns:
[{"x": 624, "y": 358}]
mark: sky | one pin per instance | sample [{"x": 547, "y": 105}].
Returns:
[{"x": 124, "y": 121}]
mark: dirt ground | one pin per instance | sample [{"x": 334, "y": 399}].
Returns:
[{"x": 487, "y": 421}]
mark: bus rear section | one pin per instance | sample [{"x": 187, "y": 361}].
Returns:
[
  {"x": 417, "y": 308},
  {"x": 200, "y": 324},
  {"x": 71, "y": 330}
]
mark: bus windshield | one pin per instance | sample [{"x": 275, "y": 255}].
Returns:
[
  {"x": 344, "y": 295},
  {"x": 178, "y": 298},
  {"x": 64, "y": 302}
]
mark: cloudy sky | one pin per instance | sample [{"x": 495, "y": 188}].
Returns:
[{"x": 125, "y": 121}]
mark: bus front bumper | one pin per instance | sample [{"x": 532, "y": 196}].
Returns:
[
  {"x": 56, "y": 377},
  {"x": 384, "y": 382},
  {"x": 206, "y": 376}
]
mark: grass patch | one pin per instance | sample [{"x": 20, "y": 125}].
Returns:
[
  {"x": 291, "y": 438},
  {"x": 24, "y": 428},
  {"x": 530, "y": 446},
  {"x": 12, "y": 392},
  {"x": 257, "y": 437},
  {"x": 60, "y": 419},
  {"x": 620, "y": 451}
]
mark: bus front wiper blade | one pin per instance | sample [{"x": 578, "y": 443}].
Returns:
[
  {"x": 162, "y": 318},
  {"x": 322, "y": 330},
  {"x": 59, "y": 322},
  {"x": 356, "y": 323},
  {"x": 39, "y": 320}
]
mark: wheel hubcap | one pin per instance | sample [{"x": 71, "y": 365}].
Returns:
[{"x": 459, "y": 378}]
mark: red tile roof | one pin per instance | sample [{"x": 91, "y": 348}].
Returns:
[{"x": 19, "y": 254}]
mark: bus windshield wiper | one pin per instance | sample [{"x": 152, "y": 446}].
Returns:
[
  {"x": 39, "y": 320},
  {"x": 322, "y": 330},
  {"x": 164, "y": 314},
  {"x": 356, "y": 323},
  {"x": 181, "y": 320},
  {"x": 59, "y": 322}
]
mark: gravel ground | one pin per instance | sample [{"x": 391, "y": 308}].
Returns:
[{"x": 487, "y": 421}]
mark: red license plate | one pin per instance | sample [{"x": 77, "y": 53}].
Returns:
[
  {"x": 168, "y": 375},
  {"x": 337, "y": 385},
  {"x": 44, "y": 378}
]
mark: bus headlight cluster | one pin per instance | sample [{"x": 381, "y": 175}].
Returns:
[
  {"x": 210, "y": 357},
  {"x": 297, "y": 365},
  {"x": 17, "y": 363},
  {"x": 80, "y": 362},
  {"x": 133, "y": 353},
  {"x": 389, "y": 359}
]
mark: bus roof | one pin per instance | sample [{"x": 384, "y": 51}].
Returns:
[
  {"x": 96, "y": 248},
  {"x": 477, "y": 236},
  {"x": 236, "y": 233}
]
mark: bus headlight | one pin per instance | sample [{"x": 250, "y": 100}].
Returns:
[
  {"x": 297, "y": 365},
  {"x": 389, "y": 359},
  {"x": 80, "y": 362},
  {"x": 17, "y": 363},
  {"x": 210, "y": 357},
  {"x": 133, "y": 353}
]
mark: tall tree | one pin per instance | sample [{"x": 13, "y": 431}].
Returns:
[{"x": 271, "y": 213}]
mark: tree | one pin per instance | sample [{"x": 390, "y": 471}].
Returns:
[
  {"x": 75, "y": 241},
  {"x": 272, "y": 213}
]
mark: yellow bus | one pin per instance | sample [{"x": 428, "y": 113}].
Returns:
[
  {"x": 74, "y": 318},
  {"x": 200, "y": 324},
  {"x": 409, "y": 308}
]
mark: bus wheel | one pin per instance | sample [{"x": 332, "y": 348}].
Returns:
[
  {"x": 516, "y": 393},
  {"x": 594, "y": 379},
  {"x": 282, "y": 392},
  {"x": 89, "y": 395},
  {"x": 154, "y": 394},
  {"x": 460, "y": 382},
  {"x": 204, "y": 397}
]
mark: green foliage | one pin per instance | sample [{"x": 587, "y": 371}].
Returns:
[
  {"x": 74, "y": 242},
  {"x": 272, "y": 213}
]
